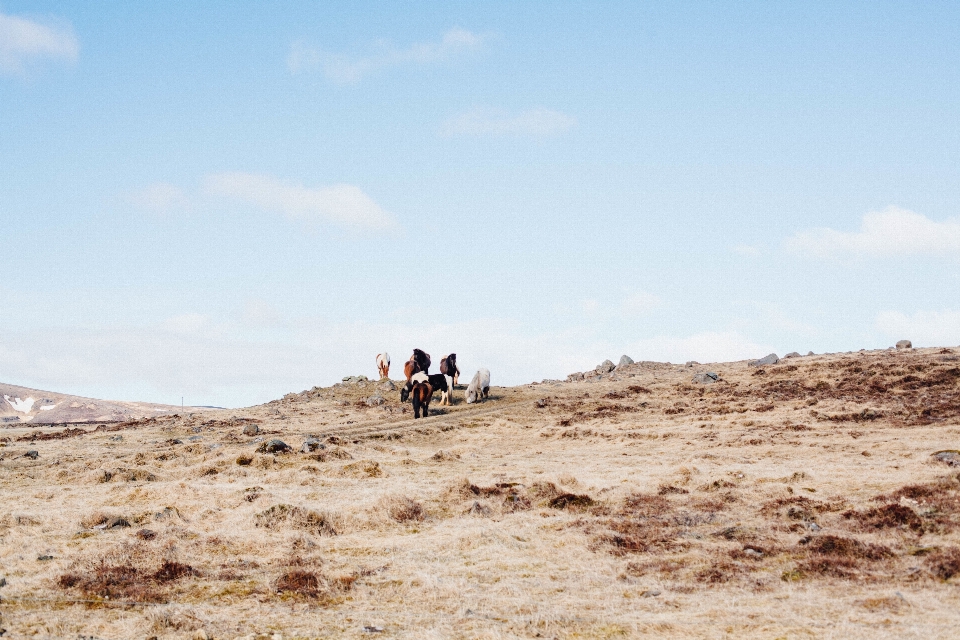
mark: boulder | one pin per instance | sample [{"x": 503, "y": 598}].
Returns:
[
  {"x": 387, "y": 385},
  {"x": 950, "y": 457},
  {"x": 32, "y": 454},
  {"x": 904, "y": 344},
  {"x": 354, "y": 379},
  {"x": 692, "y": 363},
  {"x": 770, "y": 359},
  {"x": 310, "y": 445},
  {"x": 374, "y": 401},
  {"x": 810, "y": 353},
  {"x": 575, "y": 377},
  {"x": 792, "y": 354},
  {"x": 273, "y": 446},
  {"x": 706, "y": 378},
  {"x": 251, "y": 430},
  {"x": 604, "y": 367},
  {"x": 625, "y": 360}
]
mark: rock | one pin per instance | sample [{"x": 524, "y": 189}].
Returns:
[
  {"x": 904, "y": 344},
  {"x": 251, "y": 430},
  {"x": 310, "y": 445},
  {"x": 33, "y": 454},
  {"x": 195, "y": 438},
  {"x": 200, "y": 634},
  {"x": 692, "y": 363},
  {"x": 166, "y": 514},
  {"x": 274, "y": 446},
  {"x": 387, "y": 385},
  {"x": 770, "y": 359},
  {"x": 753, "y": 553},
  {"x": 625, "y": 360},
  {"x": 575, "y": 377},
  {"x": 810, "y": 353},
  {"x": 3, "y": 582},
  {"x": 949, "y": 456},
  {"x": 792, "y": 354},
  {"x": 146, "y": 534},
  {"x": 116, "y": 438},
  {"x": 706, "y": 378},
  {"x": 372, "y": 629},
  {"x": 44, "y": 558},
  {"x": 604, "y": 367},
  {"x": 374, "y": 401},
  {"x": 355, "y": 379}
]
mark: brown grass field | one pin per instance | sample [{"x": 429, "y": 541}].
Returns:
[{"x": 799, "y": 500}]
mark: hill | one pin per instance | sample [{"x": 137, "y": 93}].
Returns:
[
  {"x": 815, "y": 497},
  {"x": 23, "y": 405}
]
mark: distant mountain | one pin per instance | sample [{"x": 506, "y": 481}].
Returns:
[{"x": 19, "y": 405}]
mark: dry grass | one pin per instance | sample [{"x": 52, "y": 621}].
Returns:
[{"x": 799, "y": 500}]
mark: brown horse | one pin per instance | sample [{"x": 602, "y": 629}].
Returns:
[
  {"x": 422, "y": 358},
  {"x": 448, "y": 367},
  {"x": 421, "y": 392}
]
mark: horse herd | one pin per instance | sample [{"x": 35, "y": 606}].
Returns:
[{"x": 421, "y": 385}]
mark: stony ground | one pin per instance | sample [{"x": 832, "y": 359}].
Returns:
[{"x": 794, "y": 500}]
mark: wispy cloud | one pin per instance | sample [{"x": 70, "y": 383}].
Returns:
[
  {"x": 891, "y": 232},
  {"x": 23, "y": 42},
  {"x": 342, "y": 205},
  {"x": 347, "y": 69},
  {"x": 538, "y": 123},
  {"x": 930, "y": 328},
  {"x": 160, "y": 197},
  {"x": 639, "y": 303}
]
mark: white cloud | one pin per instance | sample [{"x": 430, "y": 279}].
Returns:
[
  {"x": 891, "y": 232},
  {"x": 538, "y": 123},
  {"x": 345, "y": 69},
  {"x": 343, "y": 205},
  {"x": 923, "y": 328},
  {"x": 23, "y": 42},
  {"x": 159, "y": 197}
]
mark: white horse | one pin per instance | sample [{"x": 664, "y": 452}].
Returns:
[
  {"x": 383, "y": 364},
  {"x": 479, "y": 387}
]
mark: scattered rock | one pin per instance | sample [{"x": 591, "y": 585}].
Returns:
[
  {"x": 33, "y": 454},
  {"x": 949, "y": 456},
  {"x": 770, "y": 359},
  {"x": 116, "y": 438},
  {"x": 575, "y": 377},
  {"x": 625, "y": 360},
  {"x": 310, "y": 445},
  {"x": 649, "y": 593},
  {"x": 372, "y": 629},
  {"x": 355, "y": 379},
  {"x": 251, "y": 430},
  {"x": 904, "y": 344},
  {"x": 753, "y": 553},
  {"x": 387, "y": 385},
  {"x": 478, "y": 509},
  {"x": 604, "y": 367},
  {"x": 274, "y": 446},
  {"x": 146, "y": 534},
  {"x": 374, "y": 401},
  {"x": 44, "y": 558},
  {"x": 706, "y": 378},
  {"x": 113, "y": 523},
  {"x": 810, "y": 353},
  {"x": 166, "y": 513},
  {"x": 195, "y": 438},
  {"x": 692, "y": 363},
  {"x": 3, "y": 582},
  {"x": 792, "y": 354}
]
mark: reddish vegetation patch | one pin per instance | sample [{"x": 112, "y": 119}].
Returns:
[
  {"x": 304, "y": 583},
  {"x": 125, "y": 582},
  {"x": 571, "y": 501},
  {"x": 890, "y": 516},
  {"x": 944, "y": 563},
  {"x": 53, "y": 435}
]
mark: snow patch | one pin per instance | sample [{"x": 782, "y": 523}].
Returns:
[
  {"x": 23, "y": 406},
  {"x": 47, "y": 407}
]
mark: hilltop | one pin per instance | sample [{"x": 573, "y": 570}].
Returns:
[{"x": 818, "y": 496}]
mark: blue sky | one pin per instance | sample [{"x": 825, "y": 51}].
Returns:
[{"x": 231, "y": 201}]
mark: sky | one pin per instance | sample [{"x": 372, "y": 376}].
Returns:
[{"x": 228, "y": 201}]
